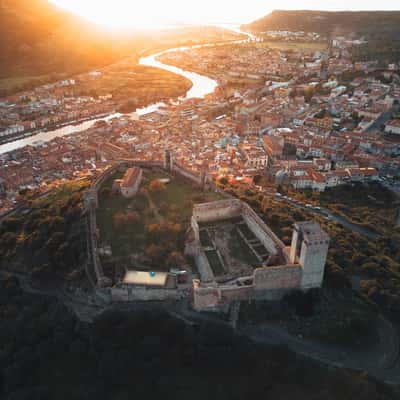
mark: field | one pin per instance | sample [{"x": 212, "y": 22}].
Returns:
[
  {"x": 25, "y": 82},
  {"x": 315, "y": 46}
]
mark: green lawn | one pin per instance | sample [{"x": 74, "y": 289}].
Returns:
[
  {"x": 180, "y": 196},
  {"x": 175, "y": 204}
]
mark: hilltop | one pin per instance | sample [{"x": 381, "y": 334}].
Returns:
[
  {"x": 367, "y": 23},
  {"x": 41, "y": 43},
  {"x": 37, "y": 38}
]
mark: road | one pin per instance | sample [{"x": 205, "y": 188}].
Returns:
[{"x": 328, "y": 215}]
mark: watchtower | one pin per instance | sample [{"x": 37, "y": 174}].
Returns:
[
  {"x": 168, "y": 160},
  {"x": 309, "y": 248}
]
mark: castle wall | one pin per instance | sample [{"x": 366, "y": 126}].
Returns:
[
  {"x": 187, "y": 174},
  {"x": 273, "y": 278},
  {"x": 205, "y": 298},
  {"x": 260, "y": 234},
  {"x": 196, "y": 229},
  {"x": 204, "y": 267},
  {"x": 261, "y": 230},
  {"x": 234, "y": 293},
  {"x": 215, "y": 211},
  {"x": 124, "y": 295}
]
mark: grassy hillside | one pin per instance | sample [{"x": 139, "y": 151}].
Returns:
[
  {"x": 144, "y": 353},
  {"x": 370, "y": 23},
  {"x": 36, "y": 39},
  {"x": 380, "y": 28}
]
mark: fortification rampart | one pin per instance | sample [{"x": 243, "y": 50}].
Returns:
[
  {"x": 234, "y": 293},
  {"x": 187, "y": 174},
  {"x": 123, "y": 295},
  {"x": 261, "y": 230},
  {"x": 281, "y": 277},
  {"x": 216, "y": 211}
]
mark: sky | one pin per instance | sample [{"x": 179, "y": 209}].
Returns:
[{"x": 156, "y": 13}]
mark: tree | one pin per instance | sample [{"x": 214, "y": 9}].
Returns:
[
  {"x": 223, "y": 181},
  {"x": 122, "y": 221},
  {"x": 156, "y": 186},
  {"x": 155, "y": 253},
  {"x": 119, "y": 221},
  {"x": 175, "y": 259}
]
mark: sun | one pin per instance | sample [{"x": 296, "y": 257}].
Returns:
[
  {"x": 141, "y": 14},
  {"x": 147, "y": 14}
]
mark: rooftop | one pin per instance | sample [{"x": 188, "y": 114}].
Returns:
[
  {"x": 145, "y": 278},
  {"x": 130, "y": 177}
]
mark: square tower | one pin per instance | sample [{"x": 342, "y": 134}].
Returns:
[
  {"x": 168, "y": 160},
  {"x": 309, "y": 248}
]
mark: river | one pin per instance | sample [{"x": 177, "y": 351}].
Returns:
[{"x": 202, "y": 86}]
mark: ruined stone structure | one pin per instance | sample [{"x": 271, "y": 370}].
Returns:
[
  {"x": 280, "y": 269},
  {"x": 277, "y": 271},
  {"x": 91, "y": 203}
]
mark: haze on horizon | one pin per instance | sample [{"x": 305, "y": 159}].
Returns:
[{"x": 161, "y": 13}]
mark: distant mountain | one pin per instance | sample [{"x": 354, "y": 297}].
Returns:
[
  {"x": 37, "y": 38},
  {"x": 369, "y": 23}
]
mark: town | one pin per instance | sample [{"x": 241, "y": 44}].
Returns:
[{"x": 306, "y": 117}]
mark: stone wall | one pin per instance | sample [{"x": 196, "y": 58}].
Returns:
[
  {"x": 204, "y": 267},
  {"x": 215, "y": 211},
  {"x": 205, "y": 298},
  {"x": 124, "y": 295},
  {"x": 283, "y": 277},
  {"x": 268, "y": 238},
  {"x": 195, "y": 228},
  {"x": 236, "y": 293},
  {"x": 187, "y": 174}
]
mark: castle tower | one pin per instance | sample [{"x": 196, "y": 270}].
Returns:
[
  {"x": 309, "y": 248},
  {"x": 168, "y": 160}
]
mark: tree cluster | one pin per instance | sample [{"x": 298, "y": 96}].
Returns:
[{"x": 47, "y": 354}]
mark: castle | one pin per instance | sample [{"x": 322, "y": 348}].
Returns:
[
  {"x": 237, "y": 256},
  {"x": 280, "y": 270}
]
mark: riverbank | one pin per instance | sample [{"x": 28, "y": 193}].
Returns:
[
  {"x": 196, "y": 85},
  {"x": 58, "y": 126}
]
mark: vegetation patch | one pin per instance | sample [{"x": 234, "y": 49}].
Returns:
[
  {"x": 149, "y": 228},
  {"x": 372, "y": 268},
  {"x": 47, "y": 237}
]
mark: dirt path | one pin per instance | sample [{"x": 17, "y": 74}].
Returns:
[
  {"x": 154, "y": 209},
  {"x": 381, "y": 362}
]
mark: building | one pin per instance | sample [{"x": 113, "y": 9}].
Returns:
[
  {"x": 130, "y": 184},
  {"x": 274, "y": 145},
  {"x": 275, "y": 270},
  {"x": 393, "y": 126}
]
